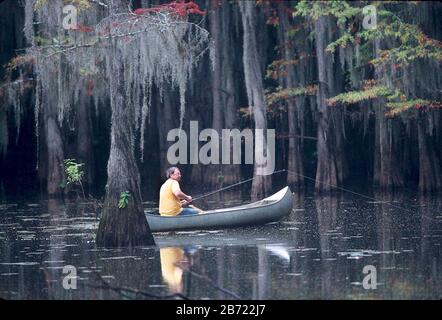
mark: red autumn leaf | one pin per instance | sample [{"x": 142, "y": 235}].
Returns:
[
  {"x": 82, "y": 28},
  {"x": 196, "y": 11},
  {"x": 140, "y": 11},
  {"x": 179, "y": 8}
]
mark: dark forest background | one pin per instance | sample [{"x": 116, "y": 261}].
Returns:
[{"x": 350, "y": 106}]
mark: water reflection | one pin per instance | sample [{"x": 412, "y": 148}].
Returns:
[
  {"x": 326, "y": 208},
  {"x": 53, "y": 266},
  {"x": 319, "y": 251},
  {"x": 171, "y": 268},
  {"x": 430, "y": 264}
]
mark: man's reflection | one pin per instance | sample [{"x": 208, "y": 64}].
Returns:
[{"x": 172, "y": 261}]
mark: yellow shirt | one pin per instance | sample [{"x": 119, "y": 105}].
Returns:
[{"x": 169, "y": 204}]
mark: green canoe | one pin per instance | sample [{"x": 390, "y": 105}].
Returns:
[{"x": 270, "y": 209}]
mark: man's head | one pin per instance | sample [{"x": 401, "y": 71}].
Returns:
[{"x": 173, "y": 173}]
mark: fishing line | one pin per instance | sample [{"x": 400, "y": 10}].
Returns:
[
  {"x": 314, "y": 180},
  {"x": 346, "y": 190},
  {"x": 360, "y": 194}
]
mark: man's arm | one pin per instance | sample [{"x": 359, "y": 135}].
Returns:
[
  {"x": 176, "y": 190},
  {"x": 182, "y": 196}
]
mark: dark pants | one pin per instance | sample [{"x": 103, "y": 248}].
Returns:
[{"x": 188, "y": 212}]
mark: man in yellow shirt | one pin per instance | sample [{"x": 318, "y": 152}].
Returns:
[{"x": 172, "y": 198}]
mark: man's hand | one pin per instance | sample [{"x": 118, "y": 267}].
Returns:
[{"x": 184, "y": 203}]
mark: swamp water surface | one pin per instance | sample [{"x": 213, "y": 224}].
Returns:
[{"x": 318, "y": 252}]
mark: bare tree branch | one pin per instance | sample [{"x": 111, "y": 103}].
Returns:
[{"x": 124, "y": 290}]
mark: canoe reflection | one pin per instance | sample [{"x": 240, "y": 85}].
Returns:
[{"x": 268, "y": 235}]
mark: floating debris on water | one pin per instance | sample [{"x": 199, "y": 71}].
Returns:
[
  {"x": 121, "y": 258},
  {"x": 19, "y": 263},
  {"x": 9, "y": 274},
  {"x": 299, "y": 250}
]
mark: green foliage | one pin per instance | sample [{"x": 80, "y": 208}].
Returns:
[
  {"x": 281, "y": 94},
  {"x": 279, "y": 68},
  {"x": 293, "y": 30},
  {"x": 342, "y": 10},
  {"x": 124, "y": 199},
  {"x": 344, "y": 41},
  {"x": 275, "y": 98},
  {"x": 356, "y": 96},
  {"x": 397, "y": 108},
  {"x": 61, "y": 40},
  {"x": 408, "y": 43},
  {"x": 412, "y": 43},
  {"x": 74, "y": 172},
  {"x": 40, "y": 4},
  {"x": 80, "y": 4},
  {"x": 396, "y": 101}
]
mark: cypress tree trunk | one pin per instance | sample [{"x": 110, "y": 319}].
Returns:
[
  {"x": 262, "y": 184},
  {"x": 387, "y": 171},
  {"x": 128, "y": 226},
  {"x": 295, "y": 149},
  {"x": 223, "y": 92},
  {"x": 84, "y": 140},
  {"x": 165, "y": 122},
  {"x": 50, "y": 95},
  {"x": 55, "y": 157},
  {"x": 231, "y": 172},
  {"x": 331, "y": 157},
  {"x": 201, "y": 97},
  {"x": 425, "y": 80},
  {"x": 214, "y": 172},
  {"x": 295, "y": 152},
  {"x": 53, "y": 134},
  {"x": 430, "y": 172}
]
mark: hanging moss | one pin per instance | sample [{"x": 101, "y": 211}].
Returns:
[{"x": 158, "y": 46}]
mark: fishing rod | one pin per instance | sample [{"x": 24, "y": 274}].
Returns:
[
  {"x": 282, "y": 170},
  {"x": 230, "y": 186}
]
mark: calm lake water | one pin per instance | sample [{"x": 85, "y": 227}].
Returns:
[{"x": 318, "y": 252}]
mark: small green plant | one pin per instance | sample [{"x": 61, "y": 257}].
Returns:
[
  {"x": 74, "y": 173},
  {"x": 124, "y": 199}
]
